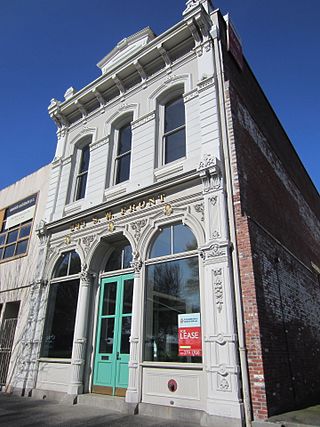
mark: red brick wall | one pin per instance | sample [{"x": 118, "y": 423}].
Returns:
[{"x": 277, "y": 219}]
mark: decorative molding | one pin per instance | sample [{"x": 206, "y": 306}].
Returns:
[
  {"x": 200, "y": 209},
  {"x": 85, "y": 276},
  {"x": 218, "y": 293},
  {"x": 223, "y": 384},
  {"x": 137, "y": 226},
  {"x": 136, "y": 264},
  {"x": 213, "y": 251},
  {"x": 190, "y": 95},
  {"x": 42, "y": 232},
  {"x": 205, "y": 83},
  {"x": 167, "y": 209},
  {"x": 143, "y": 120},
  {"x": 87, "y": 241},
  {"x": 99, "y": 143},
  {"x": 210, "y": 173}
]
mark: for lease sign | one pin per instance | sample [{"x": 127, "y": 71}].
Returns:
[{"x": 189, "y": 334}]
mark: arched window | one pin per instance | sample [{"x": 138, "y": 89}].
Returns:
[
  {"x": 120, "y": 258},
  {"x": 172, "y": 293},
  {"x": 62, "y": 306}
]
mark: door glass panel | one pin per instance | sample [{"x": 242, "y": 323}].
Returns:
[
  {"x": 127, "y": 296},
  {"x": 106, "y": 335},
  {"x": 125, "y": 335},
  {"x": 109, "y": 299}
]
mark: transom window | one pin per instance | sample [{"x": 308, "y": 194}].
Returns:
[
  {"x": 61, "y": 309},
  {"x": 120, "y": 258},
  {"x": 174, "y": 136},
  {"x": 123, "y": 157},
  {"x": 82, "y": 176},
  {"x": 172, "y": 291}
]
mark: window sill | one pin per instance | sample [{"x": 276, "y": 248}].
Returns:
[
  {"x": 54, "y": 360},
  {"x": 169, "y": 170},
  {"x": 116, "y": 191},
  {"x": 73, "y": 207}
]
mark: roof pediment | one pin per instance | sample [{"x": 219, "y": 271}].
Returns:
[{"x": 125, "y": 49}]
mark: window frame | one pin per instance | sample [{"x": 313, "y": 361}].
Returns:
[
  {"x": 81, "y": 173},
  {"x": 18, "y": 227},
  {"x": 117, "y": 135},
  {"x": 159, "y": 260},
  {"x": 163, "y": 101}
]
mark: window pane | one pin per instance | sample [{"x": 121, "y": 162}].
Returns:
[
  {"x": 125, "y": 335},
  {"x": 22, "y": 247},
  {"x": 114, "y": 262},
  {"x": 124, "y": 143},
  {"x": 162, "y": 244},
  {"x": 61, "y": 268},
  {"x": 109, "y": 299},
  {"x": 1, "y": 253},
  {"x": 85, "y": 158},
  {"x": 2, "y": 238},
  {"x": 127, "y": 296},
  {"x": 9, "y": 251},
  {"x": 106, "y": 335},
  {"x": 25, "y": 231},
  {"x": 75, "y": 263},
  {"x": 183, "y": 239},
  {"x": 175, "y": 146},
  {"x": 127, "y": 256},
  {"x": 81, "y": 186},
  {"x": 12, "y": 236},
  {"x": 59, "y": 326},
  {"x": 174, "y": 115},
  {"x": 172, "y": 288},
  {"x": 123, "y": 168}
]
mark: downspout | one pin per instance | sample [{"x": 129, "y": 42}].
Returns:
[{"x": 232, "y": 228}]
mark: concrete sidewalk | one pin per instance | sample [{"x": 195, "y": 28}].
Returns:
[{"x": 18, "y": 411}]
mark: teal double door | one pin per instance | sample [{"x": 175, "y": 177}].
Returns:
[{"x": 111, "y": 371}]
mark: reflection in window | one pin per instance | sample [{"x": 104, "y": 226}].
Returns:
[
  {"x": 172, "y": 289},
  {"x": 59, "y": 327},
  {"x": 123, "y": 154},
  {"x": 61, "y": 311},
  {"x": 174, "y": 137},
  {"x": 173, "y": 239}
]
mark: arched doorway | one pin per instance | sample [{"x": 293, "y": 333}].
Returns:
[{"x": 112, "y": 346}]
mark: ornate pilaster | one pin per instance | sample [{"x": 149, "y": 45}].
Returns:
[
  {"x": 80, "y": 333},
  {"x": 220, "y": 350},
  {"x": 132, "y": 395}
]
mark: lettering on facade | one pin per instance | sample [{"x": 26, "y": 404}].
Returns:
[{"x": 109, "y": 216}]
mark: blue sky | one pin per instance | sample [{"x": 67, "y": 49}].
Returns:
[{"x": 48, "y": 46}]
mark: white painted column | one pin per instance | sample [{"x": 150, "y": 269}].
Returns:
[
  {"x": 134, "y": 386},
  {"x": 80, "y": 334},
  {"x": 220, "y": 339}
]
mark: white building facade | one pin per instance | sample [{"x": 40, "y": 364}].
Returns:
[{"x": 138, "y": 297}]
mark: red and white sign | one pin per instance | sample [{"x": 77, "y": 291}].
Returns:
[{"x": 189, "y": 333}]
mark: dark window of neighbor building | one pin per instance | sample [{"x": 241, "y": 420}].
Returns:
[
  {"x": 172, "y": 290},
  {"x": 61, "y": 309},
  {"x": 174, "y": 137},
  {"x": 15, "y": 228}
]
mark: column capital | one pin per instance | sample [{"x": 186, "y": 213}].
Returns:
[
  {"x": 209, "y": 170},
  {"x": 86, "y": 276},
  {"x": 136, "y": 262}
]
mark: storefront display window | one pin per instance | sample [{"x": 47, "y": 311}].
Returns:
[
  {"x": 172, "y": 290},
  {"x": 62, "y": 306}
]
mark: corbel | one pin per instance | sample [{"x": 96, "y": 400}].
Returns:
[
  {"x": 81, "y": 108},
  {"x": 62, "y": 119},
  {"x": 196, "y": 34},
  {"x": 140, "y": 70},
  {"x": 119, "y": 84},
  {"x": 99, "y": 97},
  {"x": 164, "y": 55}
]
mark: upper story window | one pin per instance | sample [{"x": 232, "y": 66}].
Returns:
[
  {"x": 82, "y": 176},
  {"x": 15, "y": 228},
  {"x": 120, "y": 258},
  {"x": 174, "y": 136},
  {"x": 123, "y": 157}
]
